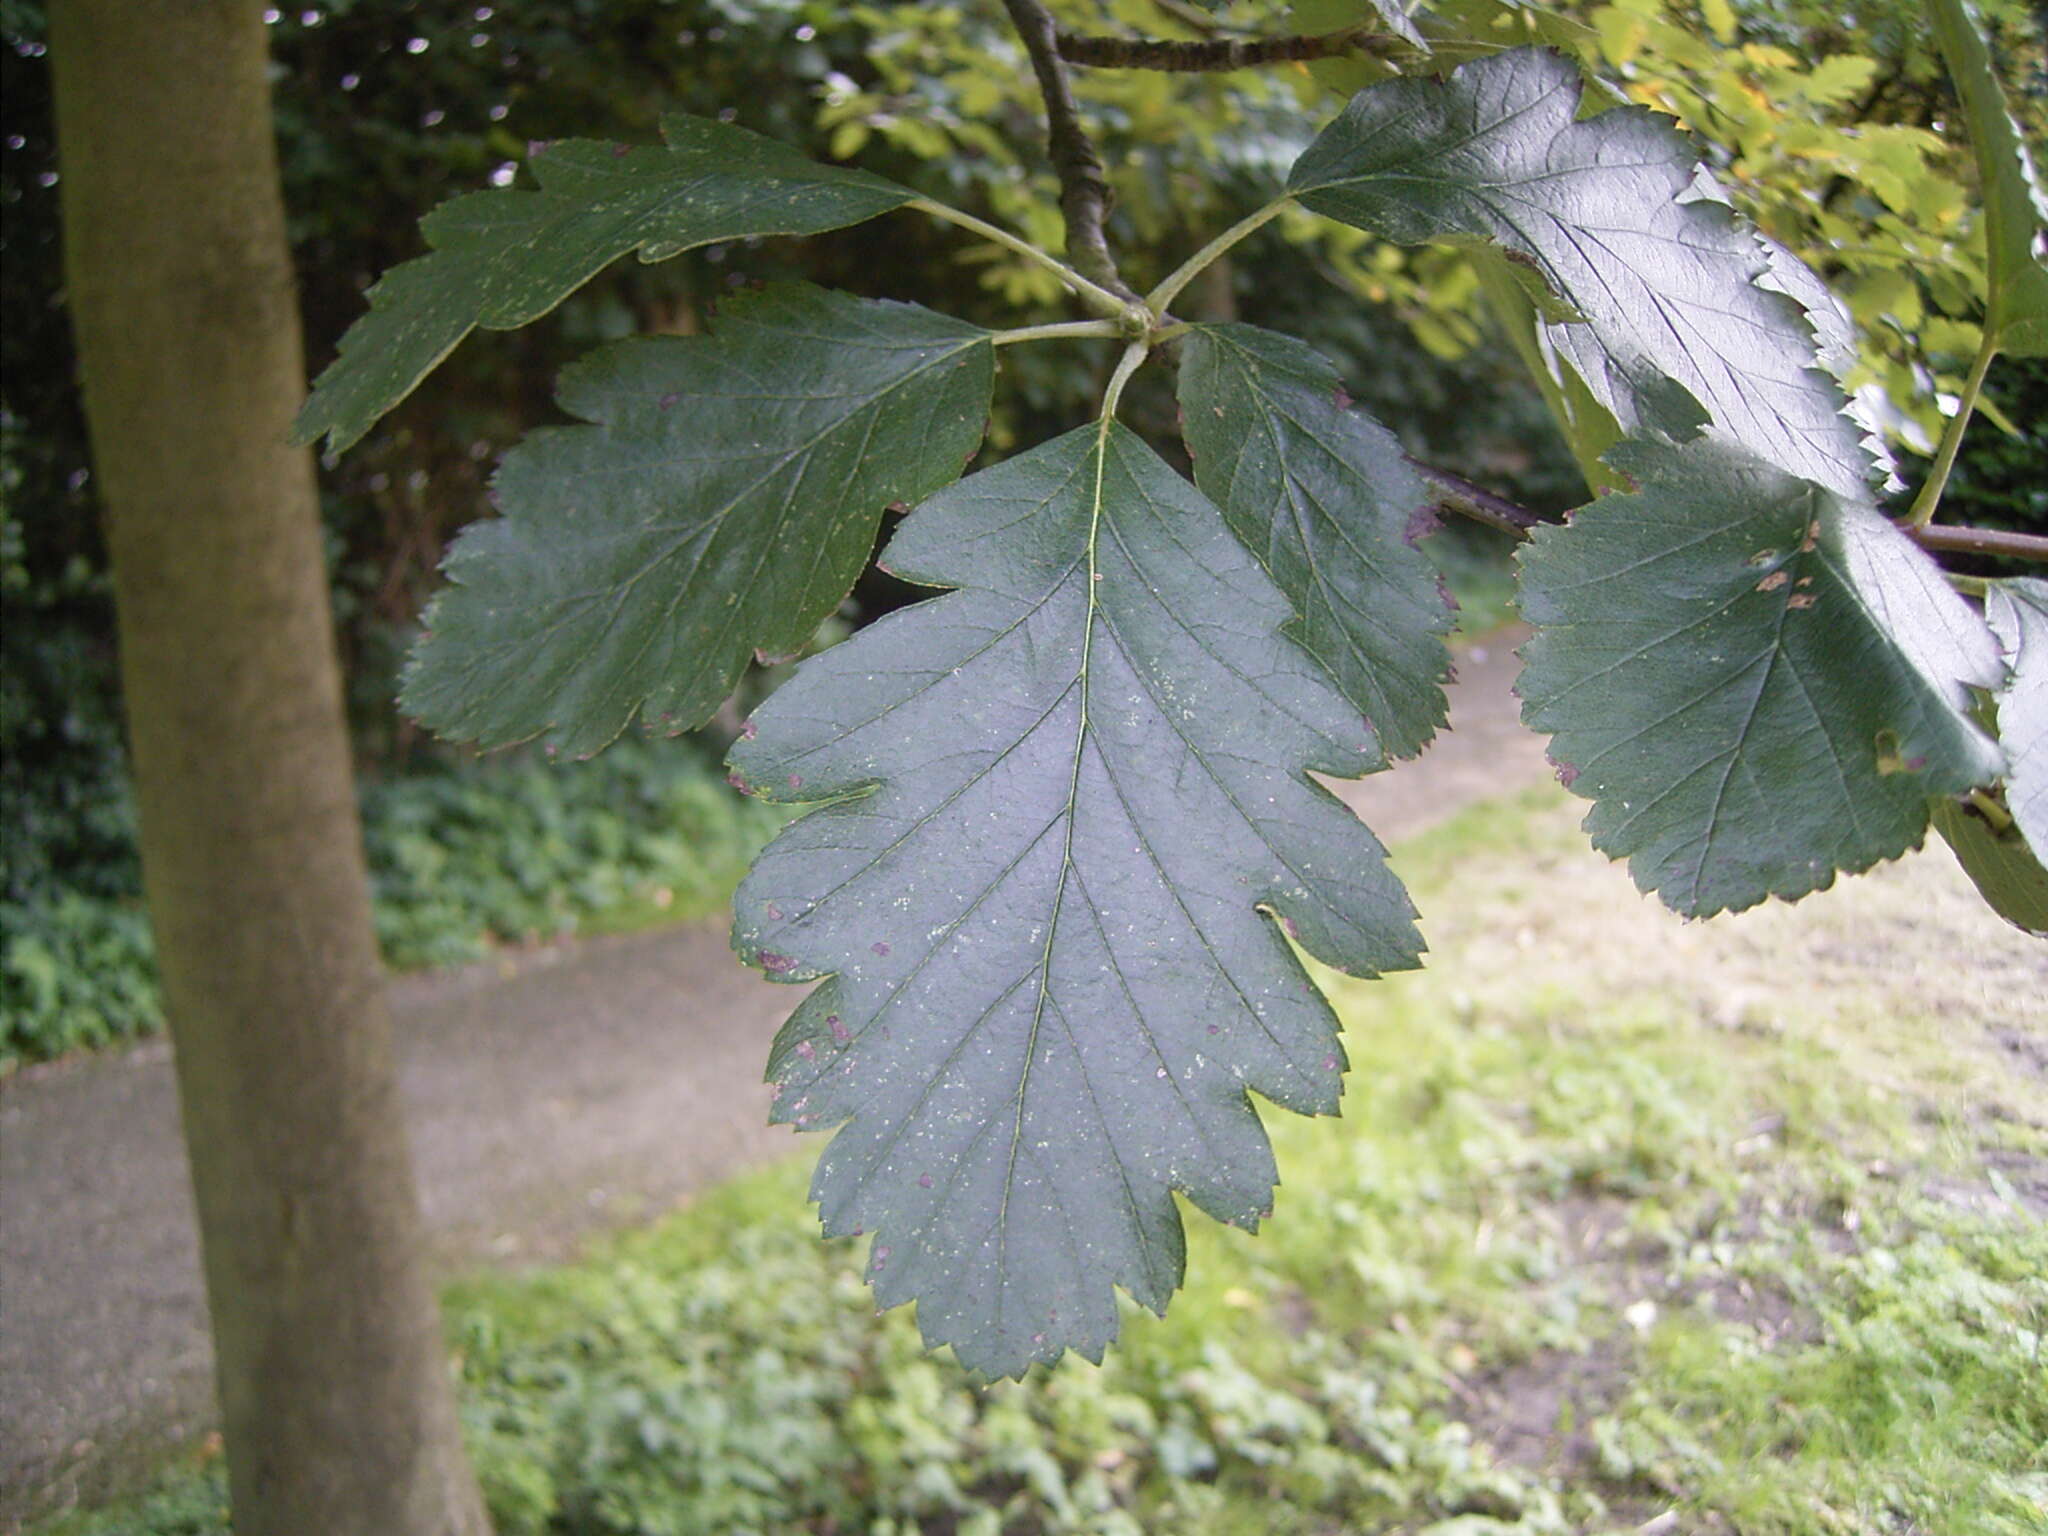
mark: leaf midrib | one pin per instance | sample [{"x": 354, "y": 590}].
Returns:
[{"x": 1052, "y": 926}]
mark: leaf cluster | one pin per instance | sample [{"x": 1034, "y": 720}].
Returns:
[{"x": 1066, "y": 855}]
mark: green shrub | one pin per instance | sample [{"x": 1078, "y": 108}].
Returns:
[
  {"x": 520, "y": 850},
  {"x": 502, "y": 851},
  {"x": 79, "y": 972}
]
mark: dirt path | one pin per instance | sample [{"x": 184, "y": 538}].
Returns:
[{"x": 550, "y": 1095}]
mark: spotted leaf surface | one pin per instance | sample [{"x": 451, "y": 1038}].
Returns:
[
  {"x": 503, "y": 258},
  {"x": 1067, "y": 831},
  {"x": 721, "y": 500},
  {"x": 1757, "y": 683},
  {"x": 1652, "y": 287},
  {"x": 1323, "y": 495}
]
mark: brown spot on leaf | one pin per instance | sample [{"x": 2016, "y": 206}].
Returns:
[{"x": 1775, "y": 580}]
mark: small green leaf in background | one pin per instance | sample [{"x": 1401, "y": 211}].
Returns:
[
  {"x": 504, "y": 258},
  {"x": 2017, "y": 611},
  {"x": 1660, "y": 312},
  {"x": 1323, "y": 496},
  {"x": 1069, "y": 817},
  {"x": 1757, "y": 682},
  {"x": 2015, "y": 209},
  {"x": 723, "y": 499}
]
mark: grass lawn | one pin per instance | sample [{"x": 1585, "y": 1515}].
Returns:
[{"x": 1629, "y": 1225}]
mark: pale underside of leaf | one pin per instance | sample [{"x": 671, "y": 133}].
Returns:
[
  {"x": 2017, "y": 610},
  {"x": 721, "y": 502},
  {"x": 1660, "y": 311},
  {"x": 1758, "y": 683},
  {"x": 1067, "y": 821},
  {"x": 503, "y": 258},
  {"x": 1323, "y": 495},
  {"x": 1836, "y": 342}
]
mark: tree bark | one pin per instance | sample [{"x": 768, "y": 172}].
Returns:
[{"x": 335, "y": 1391}]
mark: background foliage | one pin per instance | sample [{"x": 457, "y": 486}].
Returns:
[{"x": 462, "y": 859}]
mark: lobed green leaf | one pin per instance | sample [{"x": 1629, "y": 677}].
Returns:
[
  {"x": 501, "y": 259},
  {"x": 1068, "y": 817},
  {"x": 1324, "y": 497},
  {"x": 722, "y": 500},
  {"x": 1650, "y": 288},
  {"x": 1758, "y": 682}
]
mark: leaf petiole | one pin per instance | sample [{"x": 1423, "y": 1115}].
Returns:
[
  {"x": 1093, "y": 293},
  {"x": 1952, "y": 435},
  {"x": 1057, "y": 332},
  {"x": 1128, "y": 364},
  {"x": 1161, "y": 297}
]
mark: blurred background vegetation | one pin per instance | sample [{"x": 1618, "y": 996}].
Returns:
[{"x": 1830, "y": 130}]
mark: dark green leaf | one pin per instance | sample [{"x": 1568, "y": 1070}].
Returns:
[
  {"x": 1069, "y": 817},
  {"x": 504, "y": 258},
  {"x": 1758, "y": 682},
  {"x": 1323, "y": 496},
  {"x": 1998, "y": 862},
  {"x": 2017, "y": 611},
  {"x": 2015, "y": 210},
  {"x": 723, "y": 500},
  {"x": 1671, "y": 329}
]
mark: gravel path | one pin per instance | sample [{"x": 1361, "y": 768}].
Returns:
[{"x": 550, "y": 1094}]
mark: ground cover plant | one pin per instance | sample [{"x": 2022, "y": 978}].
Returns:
[
  {"x": 461, "y": 860},
  {"x": 1063, "y": 827},
  {"x": 1738, "y": 1225}
]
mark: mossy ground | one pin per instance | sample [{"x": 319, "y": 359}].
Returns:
[{"x": 1629, "y": 1224}]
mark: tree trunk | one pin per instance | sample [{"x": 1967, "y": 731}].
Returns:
[{"x": 334, "y": 1383}]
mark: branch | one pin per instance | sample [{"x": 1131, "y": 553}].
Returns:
[
  {"x": 1454, "y": 493},
  {"x": 1084, "y": 186},
  {"x": 1218, "y": 54},
  {"x": 1952, "y": 434},
  {"x": 1979, "y": 541}
]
